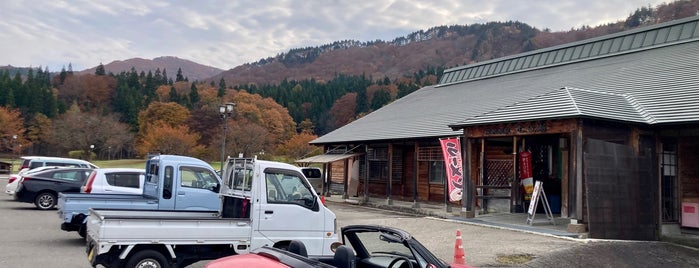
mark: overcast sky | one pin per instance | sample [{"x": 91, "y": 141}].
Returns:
[{"x": 228, "y": 33}]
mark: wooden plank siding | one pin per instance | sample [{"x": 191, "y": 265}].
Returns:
[{"x": 688, "y": 170}]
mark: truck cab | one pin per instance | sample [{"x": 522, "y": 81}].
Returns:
[
  {"x": 172, "y": 183},
  {"x": 185, "y": 183},
  {"x": 282, "y": 199}
]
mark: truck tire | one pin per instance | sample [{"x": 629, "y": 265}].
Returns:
[
  {"x": 45, "y": 201},
  {"x": 82, "y": 231},
  {"x": 148, "y": 259}
]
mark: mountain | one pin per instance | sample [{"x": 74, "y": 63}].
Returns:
[
  {"x": 442, "y": 46},
  {"x": 191, "y": 70}
]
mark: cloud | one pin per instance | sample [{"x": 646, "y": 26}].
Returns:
[{"x": 225, "y": 34}]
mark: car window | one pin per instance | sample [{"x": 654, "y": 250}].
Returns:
[
  {"x": 194, "y": 177},
  {"x": 311, "y": 173},
  {"x": 70, "y": 175},
  {"x": 286, "y": 188},
  {"x": 123, "y": 179},
  {"x": 62, "y": 164},
  {"x": 35, "y": 164}
]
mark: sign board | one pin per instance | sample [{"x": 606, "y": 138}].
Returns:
[{"x": 537, "y": 195}]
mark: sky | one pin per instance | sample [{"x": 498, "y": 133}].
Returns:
[{"x": 228, "y": 33}]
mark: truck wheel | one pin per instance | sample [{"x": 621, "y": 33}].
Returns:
[
  {"x": 45, "y": 201},
  {"x": 82, "y": 231},
  {"x": 148, "y": 259}
]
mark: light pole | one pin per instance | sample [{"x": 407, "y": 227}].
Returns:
[
  {"x": 15, "y": 155},
  {"x": 227, "y": 110},
  {"x": 89, "y": 154}
]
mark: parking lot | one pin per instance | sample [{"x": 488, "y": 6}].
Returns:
[{"x": 32, "y": 238}]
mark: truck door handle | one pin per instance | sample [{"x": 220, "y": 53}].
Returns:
[{"x": 269, "y": 211}]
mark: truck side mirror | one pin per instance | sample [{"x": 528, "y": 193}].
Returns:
[{"x": 216, "y": 188}]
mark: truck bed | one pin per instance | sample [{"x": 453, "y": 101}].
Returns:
[
  {"x": 71, "y": 204},
  {"x": 125, "y": 227}
]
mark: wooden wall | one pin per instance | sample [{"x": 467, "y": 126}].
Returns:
[{"x": 688, "y": 157}]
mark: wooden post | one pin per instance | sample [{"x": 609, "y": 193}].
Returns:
[
  {"x": 415, "y": 170},
  {"x": 390, "y": 175}
]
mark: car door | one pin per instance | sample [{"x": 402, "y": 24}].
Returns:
[
  {"x": 69, "y": 180},
  {"x": 197, "y": 190},
  {"x": 290, "y": 210}
]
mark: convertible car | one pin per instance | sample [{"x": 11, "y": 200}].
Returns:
[{"x": 362, "y": 246}]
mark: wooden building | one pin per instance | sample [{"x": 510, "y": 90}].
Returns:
[{"x": 611, "y": 125}]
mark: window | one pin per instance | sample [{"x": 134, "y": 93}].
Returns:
[
  {"x": 130, "y": 180},
  {"x": 669, "y": 191},
  {"x": 241, "y": 179},
  {"x": 73, "y": 175},
  {"x": 288, "y": 188},
  {"x": 153, "y": 173},
  {"x": 435, "y": 161},
  {"x": 167, "y": 182},
  {"x": 195, "y": 177},
  {"x": 378, "y": 163},
  {"x": 437, "y": 172}
]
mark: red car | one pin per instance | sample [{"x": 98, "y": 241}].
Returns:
[{"x": 362, "y": 246}]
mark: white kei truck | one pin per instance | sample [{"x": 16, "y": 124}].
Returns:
[{"x": 263, "y": 203}]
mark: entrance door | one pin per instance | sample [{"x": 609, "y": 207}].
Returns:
[{"x": 621, "y": 192}]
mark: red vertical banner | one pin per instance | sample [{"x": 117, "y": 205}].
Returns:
[
  {"x": 451, "y": 150},
  {"x": 525, "y": 173}
]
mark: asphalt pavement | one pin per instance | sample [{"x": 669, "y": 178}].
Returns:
[{"x": 580, "y": 252}]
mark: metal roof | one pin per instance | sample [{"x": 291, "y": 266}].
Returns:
[
  {"x": 604, "y": 46},
  {"x": 655, "y": 85},
  {"x": 566, "y": 103},
  {"x": 325, "y": 158}
]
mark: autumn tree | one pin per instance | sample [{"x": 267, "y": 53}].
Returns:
[
  {"x": 266, "y": 113},
  {"x": 78, "y": 130},
  {"x": 247, "y": 138},
  {"x": 12, "y": 131},
  {"x": 343, "y": 111},
  {"x": 39, "y": 132},
  {"x": 167, "y": 113},
  {"x": 88, "y": 91},
  {"x": 167, "y": 139},
  {"x": 298, "y": 146}
]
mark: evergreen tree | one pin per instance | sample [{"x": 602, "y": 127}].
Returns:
[
  {"x": 174, "y": 97},
  {"x": 194, "y": 96},
  {"x": 100, "y": 70},
  {"x": 179, "y": 78},
  {"x": 165, "y": 80},
  {"x": 381, "y": 98},
  {"x": 62, "y": 76}
]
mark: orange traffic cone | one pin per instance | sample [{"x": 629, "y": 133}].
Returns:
[
  {"x": 459, "y": 257},
  {"x": 322, "y": 199}
]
